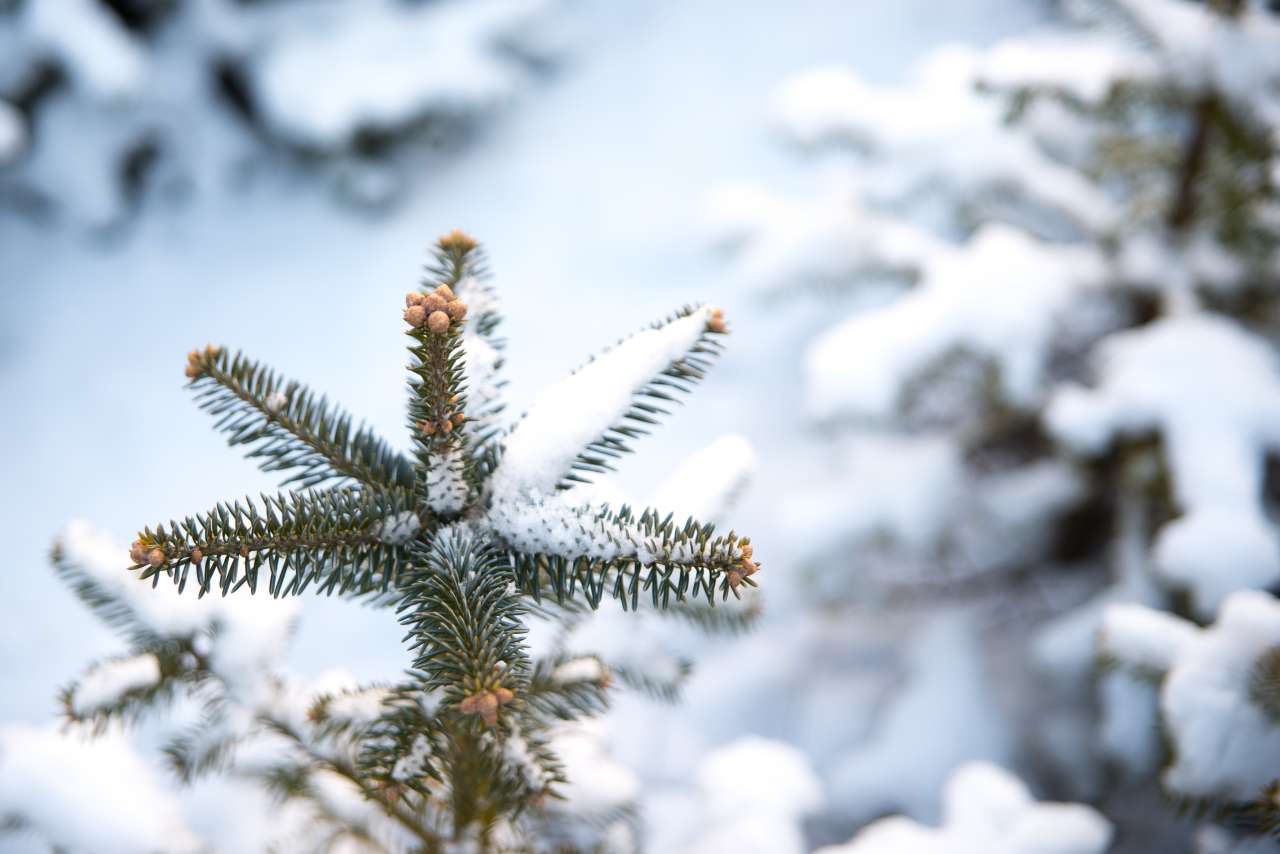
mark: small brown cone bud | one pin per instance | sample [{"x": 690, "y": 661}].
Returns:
[
  {"x": 434, "y": 302},
  {"x": 413, "y": 298},
  {"x": 715, "y": 323},
  {"x": 747, "y": 551},
  {"x": 415, "y": 315},
  {"x": 196, "y": 556},
  {"x": 458, "y": 241},
  {"x": 735, "y": 578},
  {"x": 438, "y": 322},
  {"x": 156, "y": 557},
  {"x": 458, "y": 418},
  {"x": 426, "y": 428},
  {"x": 446, "y": 426},
  {"x": 503, "y": 695},
  {"x": 456, "y": 309},
  {"x": 192, "y": 371},
  {"x": 484, "y": 704},
  {"x": 445, "y": 293},
  {"x": 488, "y": 708},
  {"x": 138, "y": 552}
]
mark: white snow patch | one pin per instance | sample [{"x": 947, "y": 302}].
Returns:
[
  {"x": 82, "y": 794},
  {"x": 987, "y": 809},
  {"x": 584, "y": 669},
  {"x": 708, "y": 483},
  {"x": 997, "y": 297},
  {"x": 1211, "y": 391},
  {"x": 13, "y": 133},
  {"x": 399, "y": 528},
  {"x": 96, "y": 49},
  {"x": 358, "y": 68},
  {"x": 105, "y": 684},
  {"x": 568, "y": 415}
]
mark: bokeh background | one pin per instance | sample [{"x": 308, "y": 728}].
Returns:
[{"x": 267, "y": 175}]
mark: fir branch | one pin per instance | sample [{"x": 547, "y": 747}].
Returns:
[
  {"x": 340, "y": 539},
  {"x": 172, "y": 662},
  {"x": 402, "y": 747},
  {"x": 108, "y": 606},
  {"x": 288, "y": 428},
  {"x": 557, "y": 691},
  {"x": 203, "y": 747},
  {"x": 465, "y": 625},
  {"x": 598, "y": 550},
  {"x": 437, "y": 391},
  {"x": 383, "y": 796},
  {"x": 664, "y": 689},
  {"x": 652, "y": 400}
]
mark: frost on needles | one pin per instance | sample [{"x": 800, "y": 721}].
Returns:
[{"x": 469, "y": 536}]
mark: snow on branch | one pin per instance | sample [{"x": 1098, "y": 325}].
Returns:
[
  {"x": 985, "y": 808},
  {"x": 940, "y": 131},
  {"x": 572, "y": 414},
  {"x": 833, "y": 239},
  {"x": 998, "y": 297},
  {"x": 109, "y": 682},
  {"x": 1210, "y": 391},
  {"x": 75, "y": 794},
  {"x": 1220, "y": 702},
  {"x": 352, "y": 70}
]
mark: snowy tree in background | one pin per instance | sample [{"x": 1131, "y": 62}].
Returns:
[
  {"x": 107, "y": 103},
  {"x": 1060, "y": 374},
  {"x": 484, "y": 533}
]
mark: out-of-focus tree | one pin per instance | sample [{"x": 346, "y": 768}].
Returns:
[{"x": 1061, "y": 373}]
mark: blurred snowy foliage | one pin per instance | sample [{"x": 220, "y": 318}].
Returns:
[
  {"x": 106, "y": 105},
  {"x": 1057, "y": 389}
]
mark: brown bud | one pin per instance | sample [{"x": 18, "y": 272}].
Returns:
[
  {"x": 138, "y": 552},
  {"x": 426, "y": 428},
  {"x": 413, "y": 298},
  {"x": 484, "y": 704},
  {"x": 456, "y": 309},
  {"x": 415, "y": 315},
  {"x": 434, "y": 302},
  {"x": 196, "y": 555},
  {"x": 735, "y": 578},
  {"x": 211, "y": 351},
  {"x": 457, "y": 241},
  {"x": 503, "y": 695},
  {"x": 715, "y": 323},
  {"x": 438, "y": 322},
  {"x": 156, "y": 557},
  {"x": 446, "y": 426},
  {"x": 192, "y": 371},
  {"x": 458, "y": 418},
  {"x": 445, "y": 293},
  {"x": 747, "y": 551},
  {"x": 244, "y": 551},
  {"x": 748, "y": 566}
]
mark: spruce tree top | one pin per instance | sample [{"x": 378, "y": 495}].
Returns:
[{"x": 462, "y": 534}]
